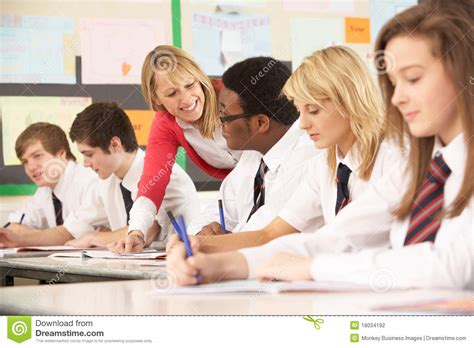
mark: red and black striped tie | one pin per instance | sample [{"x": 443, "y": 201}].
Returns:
[
  {"x": 424, "y": 216},
  {"x": 259, "y": 188},
  {"x": 342, "y": 179}
]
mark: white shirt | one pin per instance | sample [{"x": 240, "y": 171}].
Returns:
[
  {"x": 72, "y": 189},
  {"x": 286, "y": 161},
  {"x": 317, "y": 194},
  {"x": 107, "y": 206},
  {"x": 316, "y": 197},
  {"x": 448, "y": 262},
  {"x": 214, "y": 151}
]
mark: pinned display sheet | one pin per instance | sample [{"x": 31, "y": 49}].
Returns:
[
  {"x": 320, "y": 33},
  {"x": 17, "y": 113},
  {"x": 113, "y": 50},
  {"x": 37, "y": 49},
  {"x": 320, "y": 6},
  {"x": 382, "y": 11},
  {"x": 220, "y": 40},
  {"x": 141, "y": 121}
]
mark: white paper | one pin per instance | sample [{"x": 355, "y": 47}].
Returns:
[
  {"x": 103, "y": 254},
  {"x": 264, "y": 287}
]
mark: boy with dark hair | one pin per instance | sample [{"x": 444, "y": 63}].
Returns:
[
  {"x": 63, "y": 186},
  {"x": 105, "y": 136},
  {"x": 256, "y": 117}
]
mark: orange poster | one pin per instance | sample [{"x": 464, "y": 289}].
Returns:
[
  {"x": 141, "y": 122},
  {"x": 357, "y": 30}
]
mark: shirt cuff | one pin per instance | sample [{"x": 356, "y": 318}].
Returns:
[
  {"x": 76, "y": 227},
  {"x": 142, "y": 215}
]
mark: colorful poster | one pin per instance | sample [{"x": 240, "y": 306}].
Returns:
[
  {"x": 37, "y": 50},
  {"x": 220, "y": 40},
  {"x": 312, "y": 34},
  {"x": 113, "y": 50},
  {"x": 141, "y": 121},
  {"x": 17, "y": 113}
]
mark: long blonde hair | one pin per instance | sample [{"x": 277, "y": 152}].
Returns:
[
  {"x": 175, "y": 64},
  {"x": 448, "y": 27},
  {"x": 339, "y": 75}
]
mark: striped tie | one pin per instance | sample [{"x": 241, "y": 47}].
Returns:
[
  {"x": 342, "y": 179},
  {"x": 259, "y": 188},
  {"x": 424, "y": 219}
]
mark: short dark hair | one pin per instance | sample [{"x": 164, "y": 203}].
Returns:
[
  {"x": 97, "y": 124},
  {"x": 51, "y": 136},
  {"x": 258, "y": 81}
]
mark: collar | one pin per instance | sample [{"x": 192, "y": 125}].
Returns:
[
  {"x": 351, "y": 160},
  {"x": 131, "y": 178},
  {"x": 183, "y": 124},
  {"x": 454, "y": 154},
  {"x": 65, "y": 181},
  {"x": 279, "y": 152}
]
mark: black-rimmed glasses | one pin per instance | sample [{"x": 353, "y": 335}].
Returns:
[{"x": 227, "y": 118}]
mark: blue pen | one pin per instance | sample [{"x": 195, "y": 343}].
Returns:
[
  {"x": 21, "y": 220},
  {"x": 183, "y": 236},
  {"x": 221, "y": 216}
]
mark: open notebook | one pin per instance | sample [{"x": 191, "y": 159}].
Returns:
[
  {"x": 43, "y": 249},
  {"x": 147, "y": 254},
  {"x": 236, "y": 286}
]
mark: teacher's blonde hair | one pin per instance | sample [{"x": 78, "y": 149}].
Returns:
[{"x": 176, "y": 64}]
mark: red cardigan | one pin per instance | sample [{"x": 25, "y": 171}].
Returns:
[{"x": 165, "y": 137}]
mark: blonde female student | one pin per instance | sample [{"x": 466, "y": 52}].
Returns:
[
  {"x": 186, "y": 106},
  {"x": 341, "y": 111},
  {"x": 429, "y": 60}
]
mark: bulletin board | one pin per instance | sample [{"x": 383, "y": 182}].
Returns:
[{"x": 81, "y": 69}]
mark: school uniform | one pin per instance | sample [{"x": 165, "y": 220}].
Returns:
[
  {"x": 442, "y": 256},
  {"x": 50, "y": 207},
  {"x": 113, "y": 200},
  {"x": 280, "y": 170}
]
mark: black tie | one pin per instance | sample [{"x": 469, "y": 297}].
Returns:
[
  {"x": 342, "y": 178},
  {"x": 259, "y": 188},
  {"x": 58, "y": 210},
  {"x": 127, "y": 200}
]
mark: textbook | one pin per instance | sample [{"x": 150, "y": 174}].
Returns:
[{"x": 147, "y": 254}]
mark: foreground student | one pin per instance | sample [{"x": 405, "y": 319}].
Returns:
[
  {"x": 105, "y": 136},
  {"x": 345, "y": 117},
  {"x": 257, "y": 119},
  {"x": 63, "y": 186},
  {"x": 428, "y": 62}
]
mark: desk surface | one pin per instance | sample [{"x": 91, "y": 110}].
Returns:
[
  {"x": 57, "y": 267},
  {"x": 138, "y": 298}
]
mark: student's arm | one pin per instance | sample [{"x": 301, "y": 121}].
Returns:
[
  {"x": 20, "y": 235},
  {"x": 234, "y": 241}
]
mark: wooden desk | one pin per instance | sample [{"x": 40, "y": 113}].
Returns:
[
  {"x": 138, "y": 298},
  {"x": 77, "y": 270}
]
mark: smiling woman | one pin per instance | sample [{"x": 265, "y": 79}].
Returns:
[{"x": 185, "y": 102}]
